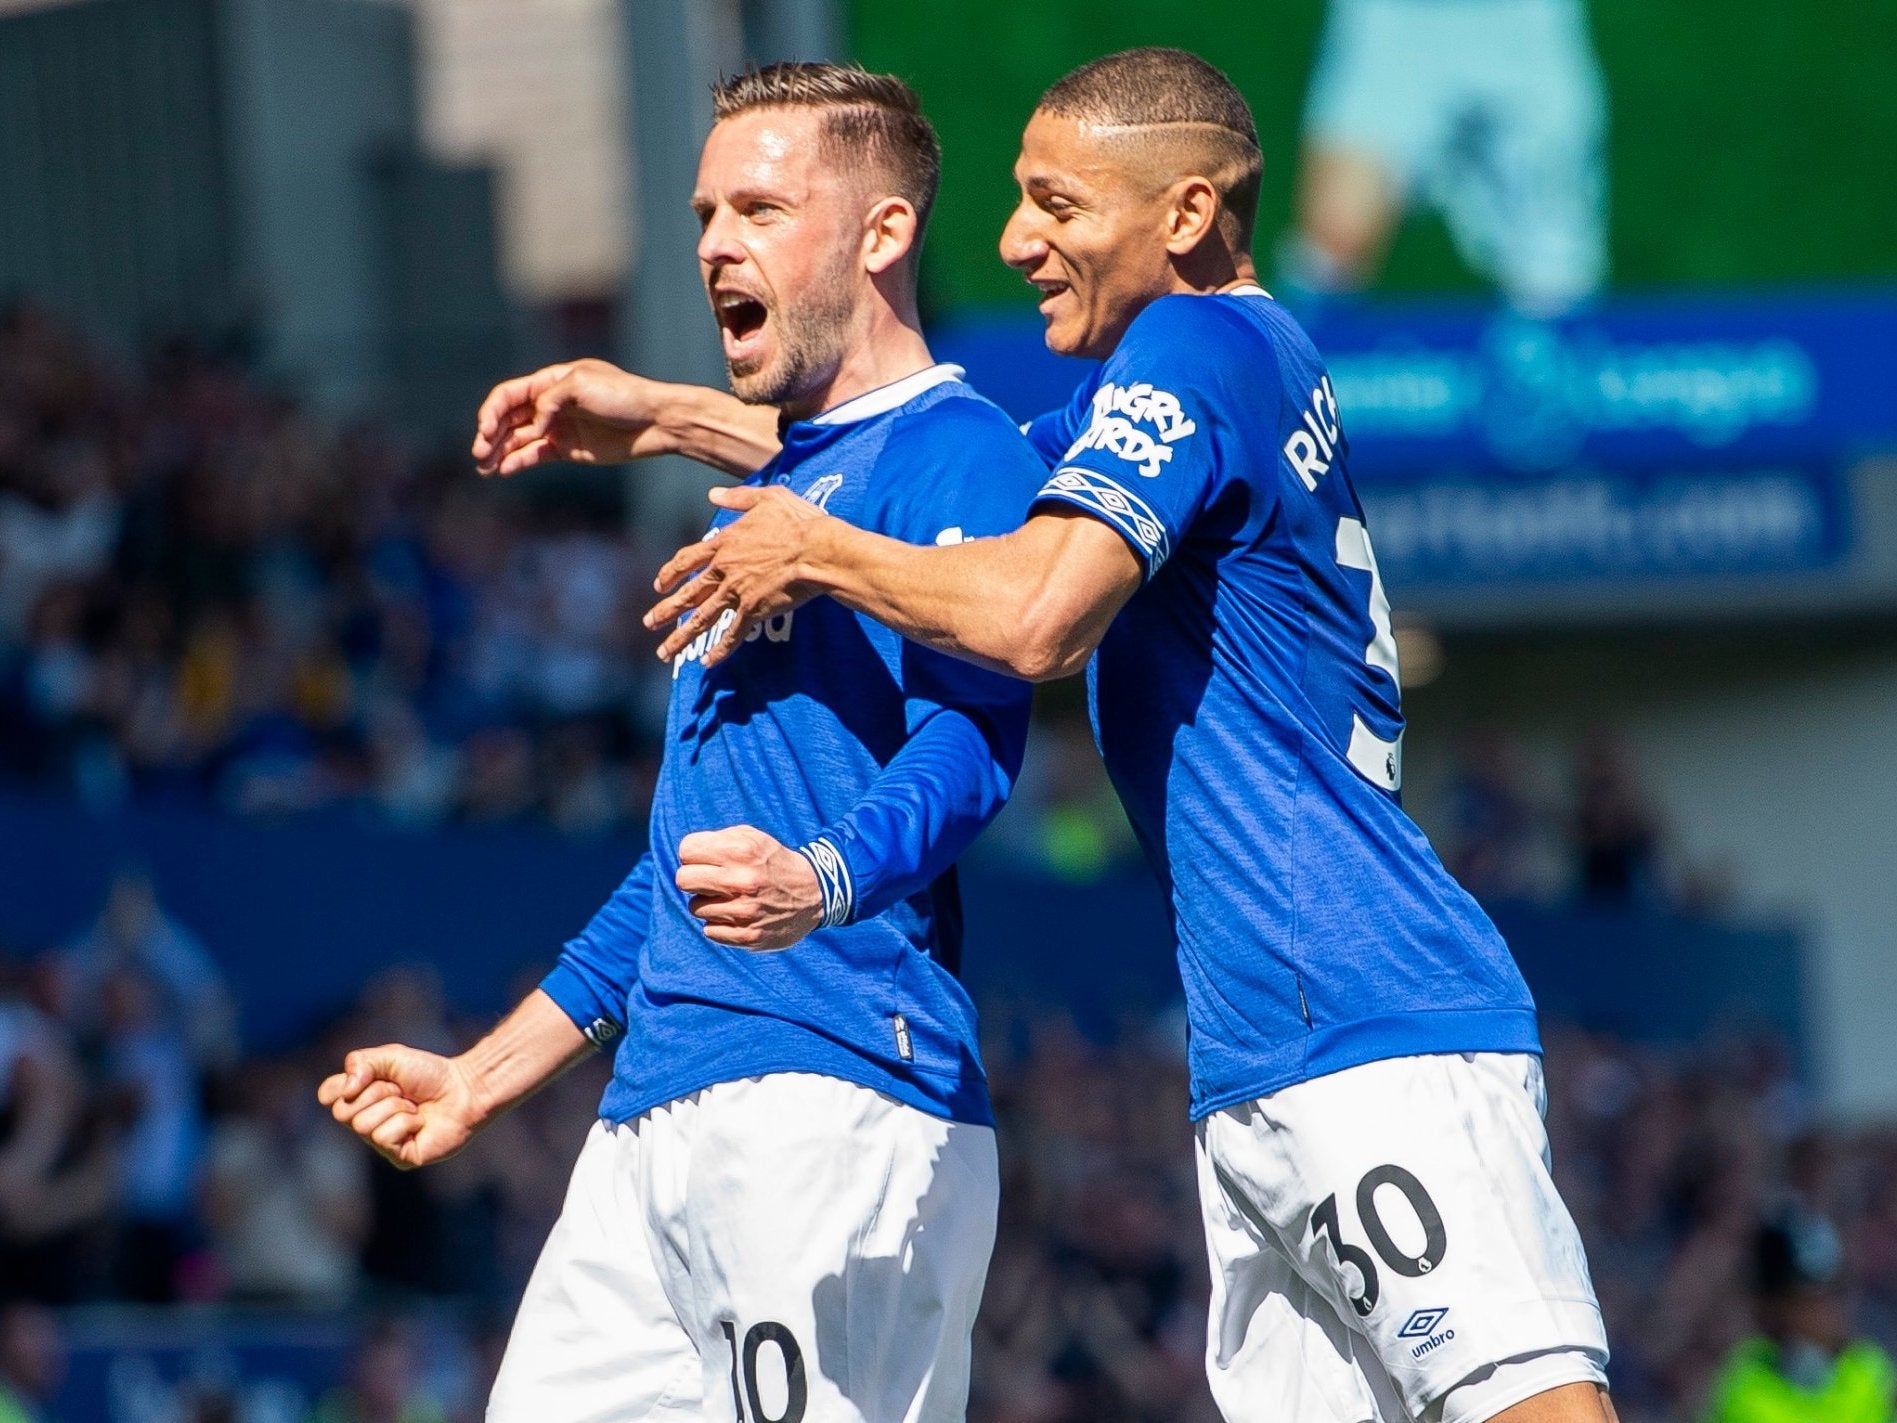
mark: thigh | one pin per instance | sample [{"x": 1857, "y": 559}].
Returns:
[
  {"x": 596, "y": 1339},
  {"x": 1525, "y": 195},
  {"x": 1414, "y": 1197},
  {"x": 1382, "y": 86},
  {"x": 839, "y": 1241},
  {"x": 1277, "y": 1350}
]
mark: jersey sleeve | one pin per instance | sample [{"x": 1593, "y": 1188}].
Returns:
[
  {"x": 967, "y": 727},
  {"x": 1153, "y": 447},
  {"x": 597, "y": 968},
  {"x": 1052, "y": 433}
]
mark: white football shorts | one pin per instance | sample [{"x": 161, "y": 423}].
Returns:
[
  {"x": 782, "y": 1248},
  {"x": 1492, "y": 110},
  {"x": 1387, "y": 1246}
]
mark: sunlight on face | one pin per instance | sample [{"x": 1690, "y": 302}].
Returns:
[
  {"x": 780, "y": 252},
  {"x": 1089, "y": 232}
]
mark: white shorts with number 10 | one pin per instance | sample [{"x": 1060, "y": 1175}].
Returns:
[
  {"x": 770, "y": 1250},
  {"x": 1387, "y": 1245}
]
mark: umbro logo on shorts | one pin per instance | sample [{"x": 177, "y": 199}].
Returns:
[{"x": 1422, "y": 1324}]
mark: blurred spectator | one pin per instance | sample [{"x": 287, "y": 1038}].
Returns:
[
  {"x": 384, "y": 1384},
  {"x": 32, "y": 1363},
  {"x": 1493, "y": 841},
  {"x": 285, "y": 1194},
  {"x": 205, "y": 595},
  {"x": 1617, "y": 832},
  {"x": 57, "y": 1175},
  {"x": 1064, "y": 818},
  {"x": 437, "y": 1231},
  {"x": 146, "y": 1068},
  {"x": 1804, "y": 1363},
  {"x": 134, "y": 933}
]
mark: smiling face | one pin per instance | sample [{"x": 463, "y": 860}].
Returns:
[
  {"x": 1091, "y": 233},
  {"x": 780, "y": 252}
]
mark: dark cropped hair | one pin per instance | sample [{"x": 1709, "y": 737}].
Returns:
[
  {"x": 1157, "y": 88},
  {"x": 869, "y": 120}
]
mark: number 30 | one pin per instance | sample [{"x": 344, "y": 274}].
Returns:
[{"x": 1435, "y": 1238}]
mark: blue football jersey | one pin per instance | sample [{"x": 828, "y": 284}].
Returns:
[
  {"x": 879, "y": 759},
  {"x": 1245, "y": 703}
]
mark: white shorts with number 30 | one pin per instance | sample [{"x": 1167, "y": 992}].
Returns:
[
  {"x": 782, "y": 1248},
  {"x": 1387, "y": 1245}
]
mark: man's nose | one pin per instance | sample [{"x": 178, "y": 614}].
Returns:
[
  {"x": 717, "y": 244},
  {"x": 1022, "y": 244}
]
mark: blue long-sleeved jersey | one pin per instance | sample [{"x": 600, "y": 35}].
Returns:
[
  {"x": 879, "y": 759},
  {"x": 1245, "y": 701}
]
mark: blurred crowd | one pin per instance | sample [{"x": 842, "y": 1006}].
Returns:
[
  {"x": 144, "y": 1157},
  {"x": 1597, "y": 836},
  {"x": 204, "y": 594}
]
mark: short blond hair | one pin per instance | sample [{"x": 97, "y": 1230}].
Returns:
[{"x": 868, "y": 119}]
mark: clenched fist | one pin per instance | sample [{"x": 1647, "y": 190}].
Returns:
[
  {"x": 748, "y": 889},
  {"x": 413, "y": 1107}
]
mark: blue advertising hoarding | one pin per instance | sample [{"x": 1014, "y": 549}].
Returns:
[{"x": 1643, "y": 439}]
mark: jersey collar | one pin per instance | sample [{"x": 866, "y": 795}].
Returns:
[
  {"x": 887, "y": 397},
  {"x": 1249, "y": 289}
]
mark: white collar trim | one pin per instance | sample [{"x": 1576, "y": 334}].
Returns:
[
  {"x": 1249, "y": 289},
  {"x": 887, "y": 397}
]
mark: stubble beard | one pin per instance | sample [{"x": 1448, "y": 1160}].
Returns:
[{"x": 812, "y": 335}]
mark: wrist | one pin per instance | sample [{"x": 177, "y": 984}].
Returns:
[
  {"x": 478, "y": 1078},
  {"x": 820, "y": 560},
  {"x": 836, "y": 887},
  {"x": 681, "y": 417}
]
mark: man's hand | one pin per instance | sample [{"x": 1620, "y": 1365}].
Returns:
[
  {"x": 749, "y": 890},
  {"x": 749, "y": 569},
  {"x": 413, "y": 1107},
  {"x": 587, "y": 412}
]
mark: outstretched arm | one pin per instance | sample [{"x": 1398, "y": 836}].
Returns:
[
  {"x": 591, "y": 412},
  {"x": 1033, "y": 603}
]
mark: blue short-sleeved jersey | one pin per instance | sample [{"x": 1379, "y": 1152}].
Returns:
[
  {"x": 880, "y": 759},
  {"x": 1245, "y": 702}
]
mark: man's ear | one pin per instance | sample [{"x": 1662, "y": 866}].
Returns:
[
  {"x": 1192, "y": 211},
  {"x": 889, "y": 234}
]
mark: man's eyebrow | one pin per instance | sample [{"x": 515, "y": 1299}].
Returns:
[{"x": 704, "y": 202}]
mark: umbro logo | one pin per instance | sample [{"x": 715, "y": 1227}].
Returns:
[{"x": 1422, "y": 1324}]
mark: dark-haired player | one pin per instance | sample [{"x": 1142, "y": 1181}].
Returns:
[
  {"x": 787, "y": 1208},
  {"x": 1385, "y": 1237}
]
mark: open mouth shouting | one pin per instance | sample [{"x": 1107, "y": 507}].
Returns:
[{"x": 742, "y": 317}]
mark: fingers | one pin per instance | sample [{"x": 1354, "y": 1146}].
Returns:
[
  {"x": 682, "y": 564},
  {"x": 494, "y": 417},
  {"x": 508, "y": 405},
  {"x": 718, "y": 881},
  {"x": 732, "y": 633},
  {"x": 370, "y": 1119},
  {"x": 738, "y": 496},
  {"x": 519, "y": 455},
  {"x": 666, "y": 612},
  {"x": 349, "y": 1108},
  {"x": 392, "y": 1134},
  {"x": 743, "y": 937},
  {"x": 368, "y": 1064},
  {"x": 708, "y": 616},
  {"x": 716, "y": 910},
  {"x": 722, "y": 847}
]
